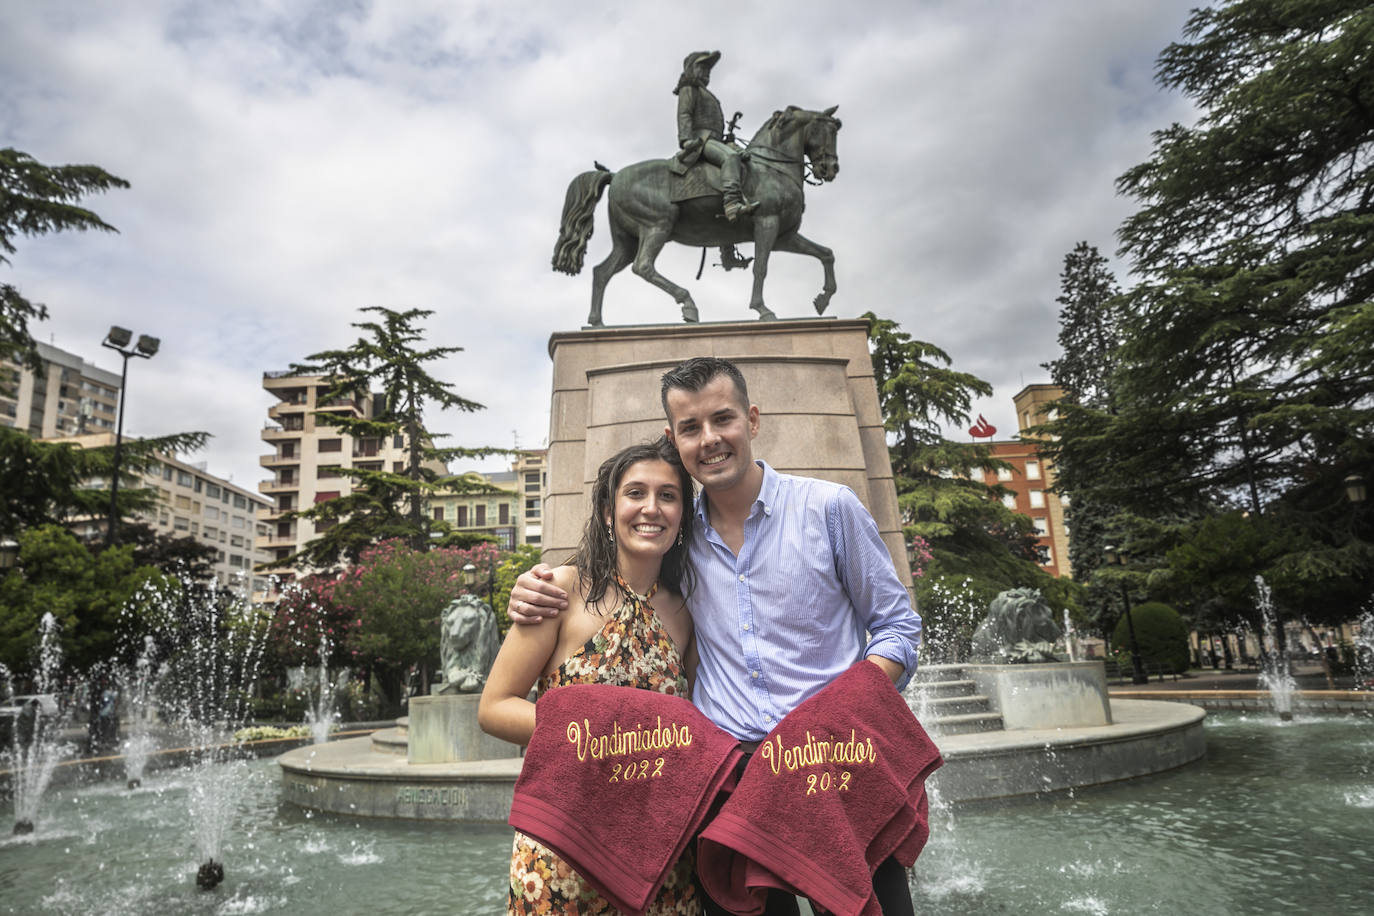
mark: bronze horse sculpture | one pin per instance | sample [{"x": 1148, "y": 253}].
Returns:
[{"x": 643, "y": 217}]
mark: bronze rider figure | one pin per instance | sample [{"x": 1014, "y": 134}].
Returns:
[{"x": 701, "y": 130}]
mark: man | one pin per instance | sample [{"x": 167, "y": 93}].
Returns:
[
  {"x": 701, "y": 130},
  {"x": 791, "y": 575}
]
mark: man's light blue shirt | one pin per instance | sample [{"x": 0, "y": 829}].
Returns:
[{"x": 811, "y": 592}]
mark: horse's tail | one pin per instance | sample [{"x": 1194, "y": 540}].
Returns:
[{"x": 579, "y": 211}]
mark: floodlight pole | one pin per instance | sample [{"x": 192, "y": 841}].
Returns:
[{"x": 146, "y": 347}]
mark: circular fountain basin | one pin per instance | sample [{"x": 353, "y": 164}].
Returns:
[
  {"x": 371, "y": 777},
  {"x": 1267, "y": 823}
]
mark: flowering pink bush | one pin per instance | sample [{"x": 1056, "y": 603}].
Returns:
[{"x": 920, "y": 555}]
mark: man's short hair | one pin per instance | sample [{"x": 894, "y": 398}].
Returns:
[{"x": 698, "y": 372}]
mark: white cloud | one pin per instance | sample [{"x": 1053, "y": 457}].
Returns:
[{"x": 292, "y": 162}]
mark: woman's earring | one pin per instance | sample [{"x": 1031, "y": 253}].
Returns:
[
  {"x": 610, "y": 533},
  {"x": 679, "y": 536}
]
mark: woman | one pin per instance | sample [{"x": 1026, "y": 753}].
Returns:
[{"x": 634, "y": 550}]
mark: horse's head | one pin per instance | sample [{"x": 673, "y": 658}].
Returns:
[
  {"x": 821, "y": 142},
  {"x": 799, "y": 132}
]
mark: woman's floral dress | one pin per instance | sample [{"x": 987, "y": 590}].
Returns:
[{"x": 632, "y": 650}]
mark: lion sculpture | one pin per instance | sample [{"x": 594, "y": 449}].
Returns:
[
  {"x": 468, "y": 642},
  {"x": 1018, "y": 628}
]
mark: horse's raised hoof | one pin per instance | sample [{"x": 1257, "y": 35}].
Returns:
[
  {"x": 765, "y": 313},
  {"x": 594, "y": 322},
  {"x": 822, "y": 302},
  {"x": 689, "y": 313}
]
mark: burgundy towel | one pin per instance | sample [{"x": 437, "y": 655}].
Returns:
[
  {"x": 835, "y": 789},
  {"x": 616, "y": 781}
]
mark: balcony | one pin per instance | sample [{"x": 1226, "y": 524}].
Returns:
[
  {"x": 272, "y": 541},
  {"x": 285, "y": 408},
  {"x": 273, "y": 461},
  {"x": 276, "y": 486},
  {"x": 271, "y": 432}
]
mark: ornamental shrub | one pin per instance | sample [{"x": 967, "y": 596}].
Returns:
[{"x": 1161, "y": 634}]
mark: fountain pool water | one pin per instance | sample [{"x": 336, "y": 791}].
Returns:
[
  {"x": 1277, "y": 672},
  {"x": 1268, "y": 822}
]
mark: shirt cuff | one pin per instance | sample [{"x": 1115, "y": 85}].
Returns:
[{"x": 895, "y": 649}]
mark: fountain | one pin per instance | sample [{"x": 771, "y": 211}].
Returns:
[
  {"x": 137, "y": 685},
  {"x": 205, "y": 691},
  {"x": 36, "y": 745},
  {"x": 1364, "y": 652},
  {"x": 1276, "y": 673},
  {"x": 1068, "y": 636},
  {"x": 320, "y": 714}
]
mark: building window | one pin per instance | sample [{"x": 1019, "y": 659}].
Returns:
[
  {"x": 1042, "y": 526},
  {"x": 1045, "y": 556},
  {"x": 1009, "y": 501},
  {"x": 438, "y": 513},
  {"x": 240, "y": 502},
  {"x": 531, "y": 508},
  {"x": 235, "y": 541},
  {"x": 462, "y": 516},
  {"x": 1037, "y": 499},
  {"x": 184, "y": 479},
  {"x": 481, "y": 516},
  {"x": 200, "y": 484},
  {"x": 331, "y": 445},
  {"x": 166, "y": 472},
  {"x": 211, "y": 491},
  {"x": 183, "y": 502},
  {"x": 1032, "y": 470},
  {"x": 503, "y": 514},
  {"x": 1004, "y": 473},
  {"x": 181, "y": 524},
  {"x": 212, "y": 512},
  {"x": 325, "y": 471},
  {"x": 326, "y": 495},
  {"x": 238, "y": 522}
]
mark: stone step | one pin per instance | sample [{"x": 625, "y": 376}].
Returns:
[
  {"x": 943, "y": 707},
  {"x": 391, "y": 741},
  {"x": 966, "y": 724},
  {"x": 946, "y": 688},
  {"x": 403, "y": 724},
  {"x": 931, "y": 673}
]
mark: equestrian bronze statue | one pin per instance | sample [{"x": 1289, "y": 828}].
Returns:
[{"x": 651, "y": 204}]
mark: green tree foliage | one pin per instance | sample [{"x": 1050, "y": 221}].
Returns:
[
  {"x": 36, "y": 199},
  {"x": 1244, "y": 377},
  {"x": 397, "y": 596},
  {"x": 390, "y": 359},
  {"x": 507, "y": 571},
  {"x": 49, "y": 483},
  {"x": 1160, "y": 633},
  {"x": 976, "y": 542},
  {"x": 87, "y": 592}
]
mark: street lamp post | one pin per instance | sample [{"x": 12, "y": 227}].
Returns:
[
  {"x": 118, "y": 340},
  {"x": 1138, "y": 675}
]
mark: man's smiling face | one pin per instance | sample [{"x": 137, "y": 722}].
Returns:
[{"x": 712, "y": 429}]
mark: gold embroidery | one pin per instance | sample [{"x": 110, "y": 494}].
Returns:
[
  {"x": 853, "y": 752},
  {"x": 624, "y": 742},
  {"x": 636, "y": 770}
]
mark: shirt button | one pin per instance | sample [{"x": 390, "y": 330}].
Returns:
[
  {"x": 741, "y": 577},
  {"x": 767, "y": 717},
  {"x": 746, "y": 628},
  {"x": 753, "y": 674}
]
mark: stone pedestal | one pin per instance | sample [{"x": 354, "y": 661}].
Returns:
[
  {"x": 1059, "y": 695},
  {"x": 811, "y": 379},
  {"x": 443, "y": 729}
]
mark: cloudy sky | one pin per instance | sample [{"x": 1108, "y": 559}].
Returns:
[{"x": 294, "y": 161}]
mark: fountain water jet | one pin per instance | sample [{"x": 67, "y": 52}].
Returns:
[
  {"x": 321, "y": 715},
  {"x": 207, "y": 686},
  {"x": 1277, "y": 672},
  {"x": 137, "y": 686},
  {"x": 36, "y": 746}
]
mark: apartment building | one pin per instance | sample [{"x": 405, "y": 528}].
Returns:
[
  {"x": 1031, "y": 477},
  {"x": 69, "y": 397},
  {"x": 193, "y": 503},
  {"x": 512, "y": 517},
  {"x": 308, "y": 457}
]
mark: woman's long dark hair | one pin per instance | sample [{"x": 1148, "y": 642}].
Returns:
[{"x": 596, "y": 555}]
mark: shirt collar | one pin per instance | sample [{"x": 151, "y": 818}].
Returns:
[{"x": 767, "y": 498}]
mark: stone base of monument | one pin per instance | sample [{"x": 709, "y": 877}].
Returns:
[{"x": 443, "y": 729}]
